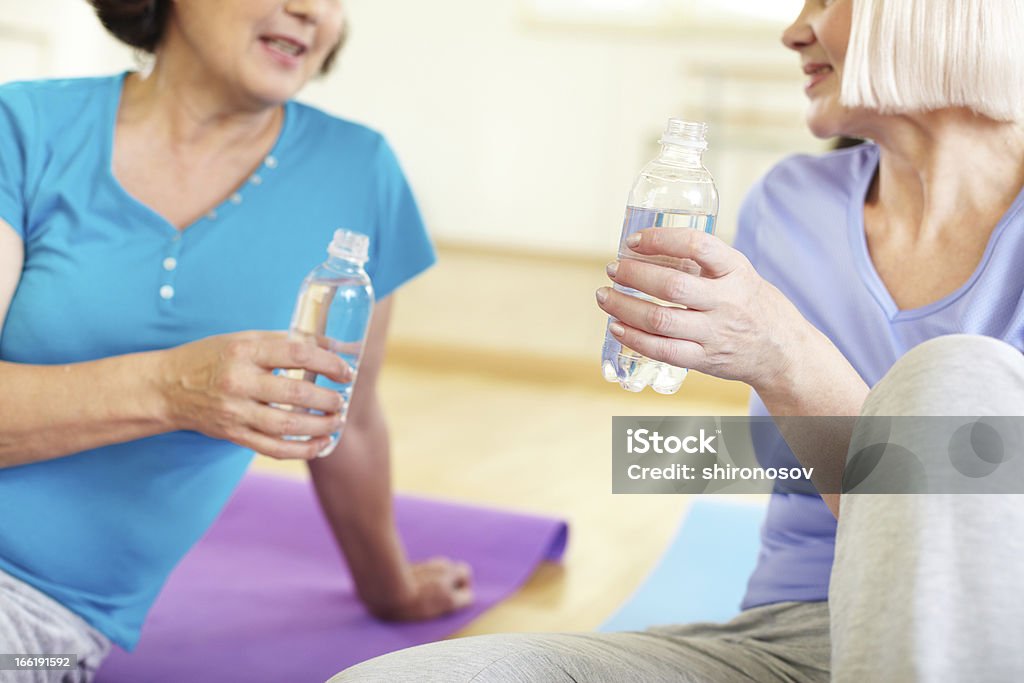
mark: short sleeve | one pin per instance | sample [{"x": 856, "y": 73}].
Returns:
[
  {"x": 15, "y": 134},
  {"x": 747, "y": 227},
  {"x": 402, "y": 248}
]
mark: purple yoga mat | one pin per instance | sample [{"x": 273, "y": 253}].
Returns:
[{"x": 264, "y": 597}]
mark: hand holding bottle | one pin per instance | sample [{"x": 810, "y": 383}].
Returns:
[
  {"x": 223, "y": 386},
  {"x": 735, "y": 325}
]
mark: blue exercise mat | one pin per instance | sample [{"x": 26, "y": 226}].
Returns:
[{"x": 703, "y": 574}]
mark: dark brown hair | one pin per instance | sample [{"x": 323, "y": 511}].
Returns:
[{"x": 141, "y": 24}]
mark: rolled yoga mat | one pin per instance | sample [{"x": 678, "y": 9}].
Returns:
[{"x": 265, "y": 598}]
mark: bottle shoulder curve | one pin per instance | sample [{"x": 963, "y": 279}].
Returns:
[{"x": 346, "y": 272}]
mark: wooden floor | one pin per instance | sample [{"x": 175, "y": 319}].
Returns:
[{"x": 540, "y": 448}]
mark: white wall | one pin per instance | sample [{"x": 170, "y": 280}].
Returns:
[
  {"x": 513, "y": 133},
  {"x": 530, "y": 136},
  {"x": 72, "y": 42}
]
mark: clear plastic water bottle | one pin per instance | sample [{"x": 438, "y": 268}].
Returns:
[
  {"x": 333, "y": 310},
  {"x": 673, "y": 191}
]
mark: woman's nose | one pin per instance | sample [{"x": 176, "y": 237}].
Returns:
[
  {"x": 309, "y": 10},
  {"x": 799, "y": 34}
]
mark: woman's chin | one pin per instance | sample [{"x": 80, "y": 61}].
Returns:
[
  {"x": 824, "y": 127},
  {"x": 272, "y": 91},
  {"x": 829, "y": 119}
]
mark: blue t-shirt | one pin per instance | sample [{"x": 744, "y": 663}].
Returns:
[
  {"x": 104, "y": 275},
  {"x": 802, "y": 227}
]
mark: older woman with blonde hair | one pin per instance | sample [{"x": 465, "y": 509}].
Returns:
[
  {"x": 880, "y": 280},
  {"x": 154, "y": 230}
]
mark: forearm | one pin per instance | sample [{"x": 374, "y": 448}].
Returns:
[
  {"x": 818, "y": 382},
  {"x": 48, "y": 411},
  {"x": 816, "y": 379},
  {"x": 353, "y": 485}
]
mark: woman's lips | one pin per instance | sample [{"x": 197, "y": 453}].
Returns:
[
  {"x": 283, "y": 50},
  {"x": 818, "y": 73}
]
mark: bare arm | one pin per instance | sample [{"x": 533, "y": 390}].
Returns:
[
  {"x": 819, "y": 382},
  {"x": 738, "y": 326},
  {"x": 219, "y": 386},
  {"x": 354, "y": 487},
  {"x": 49, "y": 411}
]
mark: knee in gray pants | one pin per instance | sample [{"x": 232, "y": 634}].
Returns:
[
  {"x": 963, "y": 376},
  {"x": 959, "y": 374},
  {"x": 924, "y": 587}
]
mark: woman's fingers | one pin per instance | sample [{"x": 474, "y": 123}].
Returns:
[
  {"x": 338, "y": 347},
  {"x": 667, "y": 284},
  {"x": 281, "y": 449},
  {"x": 280, "y": 422},
  {"x": 294, "y": 353},
  {"x": 223, "y": 386},
  {"x": 678, "y": 352},
  {"x": 663, "y": 321},
  {"x": 715, "y": 257},
  {"x": 270, "y": 388}
]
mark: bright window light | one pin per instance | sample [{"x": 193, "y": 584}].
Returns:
[
  {"x": 774, "y": 10},
  {"x": 629, "y": 10},
  {"x": 652, "y": 10}
]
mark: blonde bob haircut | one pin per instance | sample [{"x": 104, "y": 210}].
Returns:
[{"x": 920, "y": 55}]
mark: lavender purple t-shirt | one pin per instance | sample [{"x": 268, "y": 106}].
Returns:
[{"x": 802, "y": 227}]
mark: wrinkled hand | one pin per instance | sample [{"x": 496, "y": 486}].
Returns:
[
  {"x": 437, "y": 586},
  {"x": 735, "y": 325},
  {"x": 223, "y": 386}
]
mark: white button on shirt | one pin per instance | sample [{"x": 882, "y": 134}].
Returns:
[
  {"x": 166, "y": 292},
  {"x": 170, "y": 263}
]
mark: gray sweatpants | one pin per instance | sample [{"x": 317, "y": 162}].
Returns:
[
  {"x": 924, "y": 587},
  {"x": 32, "y": 623}
]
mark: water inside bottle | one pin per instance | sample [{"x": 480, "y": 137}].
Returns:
[
  {"x": 632, "y": 370},
  {"x": 333, "y": 314}
]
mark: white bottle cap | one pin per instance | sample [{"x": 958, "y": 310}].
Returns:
[
  {"x": 686, "y": 134},
  {"x": 353, "y": 246}
]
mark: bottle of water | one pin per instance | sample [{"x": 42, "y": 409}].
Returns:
[
  {"x": 673, "y": 191},
  {"x": 333, "y": 310}
]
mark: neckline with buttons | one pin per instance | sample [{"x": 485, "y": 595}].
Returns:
[{"x": 269, "y": 164}]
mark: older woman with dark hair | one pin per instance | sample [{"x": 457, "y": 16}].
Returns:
[
  {"x": 895, "y": 265},
  {"x": 150, "y": 225}
]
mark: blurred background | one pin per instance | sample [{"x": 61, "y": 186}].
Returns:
[{"x": 521, "y": 125}]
